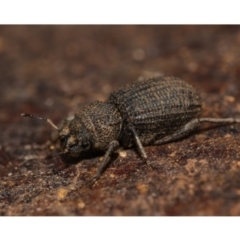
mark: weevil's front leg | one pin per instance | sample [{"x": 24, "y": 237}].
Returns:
[{"x": 111, "y": 148}]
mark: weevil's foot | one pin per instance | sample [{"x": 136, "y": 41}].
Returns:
[
  {"x": 150, "y": 167},
  {"x": 92, "y": 181}
]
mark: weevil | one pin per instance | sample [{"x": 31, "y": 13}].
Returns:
[{"x": 150, "y": 112}]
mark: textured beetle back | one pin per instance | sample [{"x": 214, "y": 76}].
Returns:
[
  {"x": 158, "y": 105},
  {"x": 103, "y": 122}
]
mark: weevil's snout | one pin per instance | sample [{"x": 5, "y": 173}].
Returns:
[{"x": 74, "y": 140}]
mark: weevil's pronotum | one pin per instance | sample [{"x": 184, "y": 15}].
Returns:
[{"x": 150, "y": 112}]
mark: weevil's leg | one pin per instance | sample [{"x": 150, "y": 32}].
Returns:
[
  {"x": 182, "y": 132},
  {"x": 111, "y": 148},
  {"x": 138, "y": 143},
  {"x": 140, "y": 146},
  {"x": 220, "y": 120},
  {"x": 192, "y": 125}
]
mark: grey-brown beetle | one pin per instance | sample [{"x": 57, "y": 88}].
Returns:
[{"x": 150, "y": 112}]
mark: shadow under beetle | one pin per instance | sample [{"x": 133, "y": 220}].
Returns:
[{"x": 149, "y": 112}]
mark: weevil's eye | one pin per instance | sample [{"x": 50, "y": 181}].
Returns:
[
  {"x": 73, "y": 147},
  {"x": 63, "y": 141},
  {"x": 85, "y": 144}
]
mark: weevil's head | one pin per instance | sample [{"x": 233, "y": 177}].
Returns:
[
  {"x": 74, "y": 138},
  {"x": 73, "y": 135},
  {"x": 92, "y": 128}
]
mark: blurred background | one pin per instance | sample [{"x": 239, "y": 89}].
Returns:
[{"x": 52, "y": 69}]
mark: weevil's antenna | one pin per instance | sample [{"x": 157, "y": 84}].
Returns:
[
  {"x": 61, "y": 153},
  {"x": 57, "y": 154},
  {"x": 40, "y": 118}
]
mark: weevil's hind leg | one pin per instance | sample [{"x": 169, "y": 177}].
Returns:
[
  {"x": 193, "y": 125},
  {"x": 182, "y": 132},
  {"x": 220, "y": 120},
  {"x": 111, "y": 148}
]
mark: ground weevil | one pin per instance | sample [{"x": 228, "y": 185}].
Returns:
[{"x": 149, "y": 112}]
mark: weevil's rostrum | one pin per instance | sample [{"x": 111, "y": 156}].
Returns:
[{"x": 150, "y": 112}]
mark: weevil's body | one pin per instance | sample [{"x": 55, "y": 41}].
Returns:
[
  {"x": 149, "y": 112},
  {"x": 155, "y": 108}
]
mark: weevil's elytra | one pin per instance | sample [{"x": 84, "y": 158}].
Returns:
[
  {"x": 150, "y": 112},
  {"x": 155, "y": 108}
]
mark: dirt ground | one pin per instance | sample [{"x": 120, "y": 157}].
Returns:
[{"x": 52, "y": 71}]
